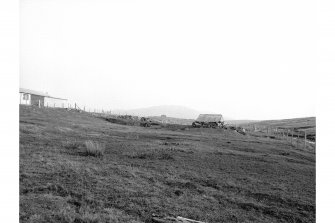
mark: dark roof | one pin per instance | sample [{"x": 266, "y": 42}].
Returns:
[
  {"x": 28, "y": 91},
  {"x": 209, "y": 118}
]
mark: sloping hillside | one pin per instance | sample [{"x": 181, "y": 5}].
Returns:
[
  {"x": 213, "y": 175},
  {"x": 298, "y": 123},
  {"x": 307, "y": 125}
]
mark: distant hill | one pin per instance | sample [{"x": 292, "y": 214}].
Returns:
[{"x": 174, "y": 111}]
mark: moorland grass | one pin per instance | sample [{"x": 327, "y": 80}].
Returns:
[
  {"x": 211, "y": 175},
  {"x": 94, "y": 149}
]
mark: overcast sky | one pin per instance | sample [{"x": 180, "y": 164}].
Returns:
[{"x": 244, "y": 59}]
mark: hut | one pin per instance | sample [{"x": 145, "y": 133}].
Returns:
[
  {"x": 209, "y": 120},
  {"x": 37, "y": 98}
]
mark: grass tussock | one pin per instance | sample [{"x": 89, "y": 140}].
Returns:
[{"x": 94, "y": 149}]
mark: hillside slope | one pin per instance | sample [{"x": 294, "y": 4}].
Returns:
[
  {"x": 307, "y": 125},
  {"x": 213, "y": 175}
]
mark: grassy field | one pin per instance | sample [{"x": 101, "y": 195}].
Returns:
[
  {"x": 307, "y": 125},
  {"x": 213, "y": 175}
]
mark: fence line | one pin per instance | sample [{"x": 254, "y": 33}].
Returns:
[
  {"x": 297, "y": 138},
  {"x": 74, "y": 106}
]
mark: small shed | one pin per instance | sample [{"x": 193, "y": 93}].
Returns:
[
  {"x": 37, "y": 98},
  {"x": 207, "y": 118}
]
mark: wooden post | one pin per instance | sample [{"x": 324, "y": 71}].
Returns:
[
  {"x": 75, "y": 105},
  {"x": 284, "y": 133},
  {"x": 47, "y": 104},
  {"x": 305, "y": 140},
  {"x": 288, "y": 134},
  {"x": 39, "y": 103},
  {"x": 84, "y": 108},
  {"x": 54, "y": 105}
]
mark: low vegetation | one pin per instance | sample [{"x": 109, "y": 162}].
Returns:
[
  {"x": 212, "y": 175},
  {"x": 298, "y": 125},
  {"x": 94, "y": 148}
]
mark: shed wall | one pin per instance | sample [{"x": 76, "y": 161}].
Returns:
[{"x": 36, "y": 100}]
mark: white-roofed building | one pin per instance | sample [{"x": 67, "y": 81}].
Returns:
[{"x": 37, "y": 98}]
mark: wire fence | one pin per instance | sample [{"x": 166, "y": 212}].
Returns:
[
  {"x": 75, "y": 106},
  {"x": 296, "y": 137}
]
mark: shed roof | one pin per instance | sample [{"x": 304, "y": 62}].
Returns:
[
  {"x": 209, "y": 118},
  {"x": 28, "y": 91}
]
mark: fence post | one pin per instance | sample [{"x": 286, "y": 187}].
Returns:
[
  {"x": 47, "y": 104},
  {"x": 84, "y": 108},
  {"x": 284, "y": 131},
  {"x": 288, "y": 134},
  {"x": 39, "y": 103},
  {"x": 305, "y": 140}
]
